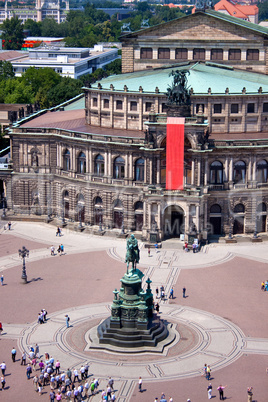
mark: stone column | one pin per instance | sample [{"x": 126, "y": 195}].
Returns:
[
  {"x": 105, "y": 163},
  {"x": 198, "y": 172},
  {"x": 226, "y": 178},
  {"x": 249, "y": 169},
  {"x": 254, "y": 169},
  {"x": 198, "y": 218},
  {"x": 99, "y": 109},
  {"x": 192, "y": 172},
  {"x": 130, "y": 174},
  {"x": 231, "y": 167},
  {"x": 158, "y": 172}
]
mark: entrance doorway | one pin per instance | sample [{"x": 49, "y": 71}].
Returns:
[{"x": 173, "y": 221}]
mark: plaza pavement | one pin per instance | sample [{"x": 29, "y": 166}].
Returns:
[{"x": 222, "y": 321}]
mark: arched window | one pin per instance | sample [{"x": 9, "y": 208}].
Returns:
[
  {"x": 118, "y": 215},
  {"x": 99, "y": 165},
  {"x": 240, "y": 172},
  {"x": 215, "y": 209},
  {"x": 66, "y": 160},
  {"x": 139, "y": 170},
  {"x": 239, "y": 209},
  {"x": 139, "y": 215},
  {"x": 216, "y": 172},
  {"x": 81, "y": 163},
  {"x": 119, "y": 168},
  {"x": 262, "y": 169}
]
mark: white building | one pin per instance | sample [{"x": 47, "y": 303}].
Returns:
[{"x": 68, "y": 62}]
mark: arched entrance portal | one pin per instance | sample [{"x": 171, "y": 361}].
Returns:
[{"x": 173, "y": 221}]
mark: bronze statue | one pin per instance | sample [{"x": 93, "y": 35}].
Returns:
[
  {"x": 133, "y": 252},
  {"x": 179, "y": 93}
]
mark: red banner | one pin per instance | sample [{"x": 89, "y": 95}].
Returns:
[{"x": 175, "y": 153}]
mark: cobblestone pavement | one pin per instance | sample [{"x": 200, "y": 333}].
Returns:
[{"x": 221, "y": 322}]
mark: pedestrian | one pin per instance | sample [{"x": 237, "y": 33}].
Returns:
[
  {"x": 86, "y": 369},
  {"x": 41, "y": 365},
  {"x": 86, "y": 389},
  {"x": 149, "y": 252},
  {"x": 171, "y": 293},
  {"x": 209, "y": 389},
  {"x": 28, "y": 371},
  {"x": 250, "y": 394},
  {"x": 208, "y": 373},
  {"x": 82, "y": 372},
  {"x": 58, "y": 250},
  {"x": 92, "y": 387},
  {"x": 13, "y": 354},
  {"x": 67, "y": 319},
  {"x": 1, "y": 328},
  {"x": 266, "y": 286},
  {"x": 9, "y": 225},
  {"x": 220, "y": 389},
  {"x": 36, "y": 351},
  {"x": 140, "y": 384},
  {"x": 3, "y": 381},
  {"x": 52, "y": 250},
  {"x": 57, "y": 365},
  {"x": 35, "y": 382},
  {"x": 263, "y": 286},
  {"x": 108, "y": 392},
  {"x": 23, "y": 359},
  {"x": 2, "y": 280},
  {"x": 3, "y": 368},
  {"x": 170, "y": 399},
  {"x": 157, "y": 292},
  {"x": 76, "y": 375},
  {"x": 58, "y": 231},
  {"x": 111, "y": 383},
  {"x": 184, "y": 292},
  {"x": 186, "y": 247},
  {"x": 157, "y": 307},
  {"x": 69, "y": 374},
  {"x": 156, "y": 247},
  {"x": 52, "y": 395},
  {"x": 113, "y": 396},
  {"x": 61, "y": 249}
]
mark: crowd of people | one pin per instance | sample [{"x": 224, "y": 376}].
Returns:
[{"x": 72, "y": 385}]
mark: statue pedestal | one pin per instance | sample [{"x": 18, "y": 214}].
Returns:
[{"x": 174, "y": 110}]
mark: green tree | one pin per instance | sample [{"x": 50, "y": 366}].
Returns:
[
  {"x": 33, "y": 26},
  {"x": 12, "y": 34},
  {"x": 263, "y": 10},
  {"x": 67, "y": 88},
  {"x": 42, "y": 78},
  {"x": 6, "y": 70}
]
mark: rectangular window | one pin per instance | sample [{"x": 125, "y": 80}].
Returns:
[
  {"x": 163, "y": 53},
  {"x": 146, "y": 53},
  {"x": 95, "y": 102},
  {"x": 265, "y": 107},
  {"x": 234, "y": 54},
  {"x": 253, "y": 54},
  {"x": 119, "y": 105},
  {"x": 251, "y": 107},
  {"x": 217, "y": 107},
  {"x": 133, "y": 106},
  {"x": 216, "y": 54},
  {"x": 199, "y": 54},
  {"x": 234, "y": 108},
  {"x": 181, "y": 54},
  {"x": 148, "y": 106},
  {"x": 164, "y": 108},
  {"x": 106, "y": 103}
]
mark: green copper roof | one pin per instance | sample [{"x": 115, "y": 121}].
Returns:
[{"x": 202, "y": 76}]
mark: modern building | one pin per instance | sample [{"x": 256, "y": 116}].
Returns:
[
  {"x": 106, "y": 163},
  {"x": 68, "y": 62}
]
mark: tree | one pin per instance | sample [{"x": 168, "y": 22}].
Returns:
[
  {"x": 12, "y": 34},
  {"x": 6, "y": 70},
  {"x": 67, "y": 88},
  {"x": 33, "y": 26},
  {"x": 263, "y": 10},
  {"x": 42, "y": 78}
]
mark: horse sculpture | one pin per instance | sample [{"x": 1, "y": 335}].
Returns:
[
  {"x": 133, "y": 252},
  {"x": 179, "y": 93}
]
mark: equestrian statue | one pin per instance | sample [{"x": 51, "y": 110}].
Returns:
[
  {"x": 133, "y": 252},
  {"x": 179, "y": 93}
]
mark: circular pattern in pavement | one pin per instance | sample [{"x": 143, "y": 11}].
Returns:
[{"x": 211, "y": 339}]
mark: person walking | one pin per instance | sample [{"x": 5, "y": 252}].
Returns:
[
  {"x": 220, "y": 389},
  {"x": 171, "y": 293},
  {"x": 209, "y": 389},
  {"x": 61, "y": 249},
  {"x": 140, "y": 384},
  {"x": 111, "y": 383},
  {"x": 3, "y": 382},
  {"x": 1, "y": 328},
  {"x": 157, "y": 292},
  {"x": 3, "y": 368},
  {"x": 28, "y": 371},
  {"x": 67, "y": 319},
  {"x": 184, "y": 292},
  {"x": 13, "y": 354},
  {"x": 9, "y": 225},
  {"x": 35, "y": 383},
  {"x": 2, "y": 280},
  {"x": 208, "y": 373},
  {"x": 149, "y": 252},
  {"x": 52, "y": 250},
  {"x": 250, "y": 394},
  {"x": 23, "y": 359}
]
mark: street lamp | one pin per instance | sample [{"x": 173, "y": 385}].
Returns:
[
  {"x": 100, "y": 220},
  {"x": 122, "y": 227},
  {"x": 23, "y": 254},
  {"x": 62, "y": 216},
  {"x": 80, "y": 215}
]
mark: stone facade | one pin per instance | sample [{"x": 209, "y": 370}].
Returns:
[{"x": 203, "y": 36}]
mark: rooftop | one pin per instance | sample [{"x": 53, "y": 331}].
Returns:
[{"x": 202, "y": 76}]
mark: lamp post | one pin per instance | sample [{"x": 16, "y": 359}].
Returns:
[
  {"x": 100, "y": 216},
  {"x": 23, "y": 254},
  {"x": 80, "y": 215},
  {"x": 62, "y": 214},
  {"x": 122, "y": 227},
  {"x": 230, "y": 228}
]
